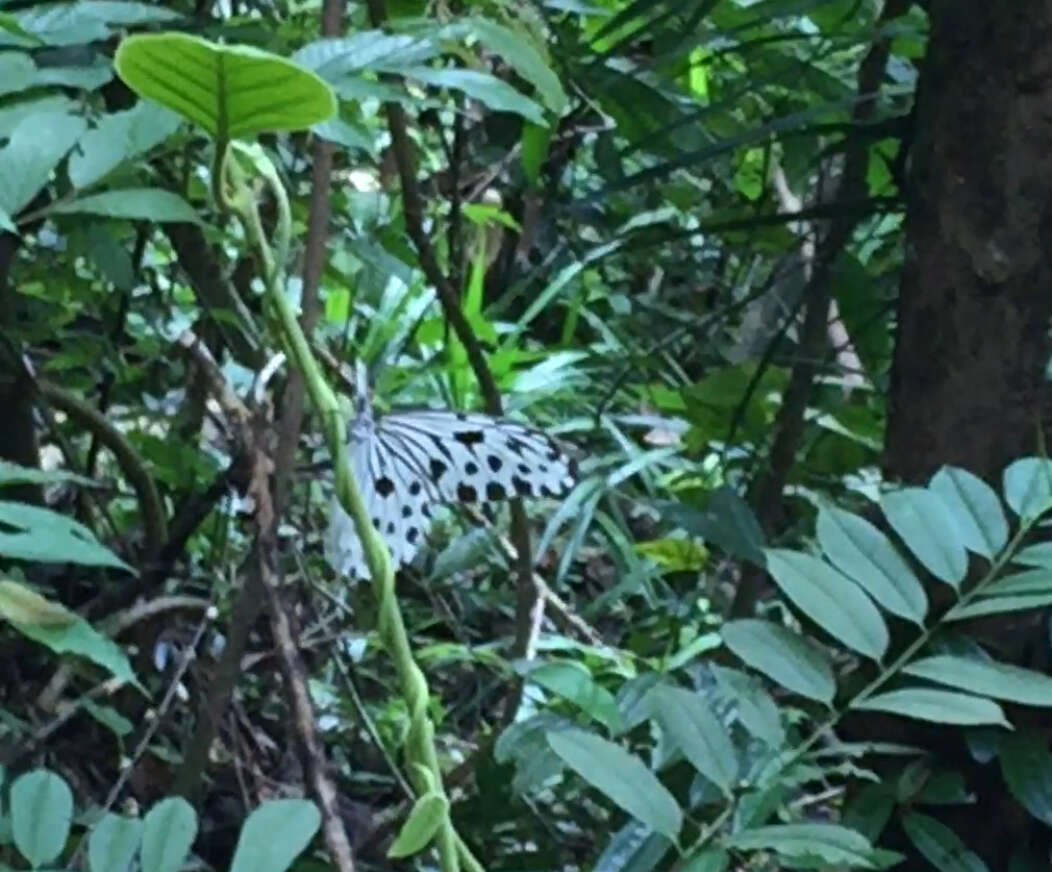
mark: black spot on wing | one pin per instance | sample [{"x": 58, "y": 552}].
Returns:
[
  {"x": 522, "y": 487},
  {"x": 383, "y": 486},
  {"x": 495, "y": 463},
  {"x": 438, "y": 469},
  {"x": 466, "y": 493},
  {"x": 470, "y": 468},
  {"x": 516, "y": 445},
  {"x": 495, "y": 491},
  {"x": 411, "y": 534},
  {"x": 415, "y": 488},
  {"x": 407, "y": 511},
  {"x": 468, "y": 437},
  {"x": 523, "y": 469},
  {"x": 390, "y": 528}
]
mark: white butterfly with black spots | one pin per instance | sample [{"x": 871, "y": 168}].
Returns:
[{"x": 407, "y": 462}]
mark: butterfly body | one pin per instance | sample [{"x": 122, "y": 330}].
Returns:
[{"x": 408, "y": 461}]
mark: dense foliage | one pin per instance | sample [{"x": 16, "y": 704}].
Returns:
[{"x": 671, "y": 235}]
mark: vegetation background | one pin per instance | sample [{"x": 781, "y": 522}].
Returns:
[{"x": 777, "y": 270}]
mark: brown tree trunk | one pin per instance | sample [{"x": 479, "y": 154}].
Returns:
[{"x": 968, "y": 380}]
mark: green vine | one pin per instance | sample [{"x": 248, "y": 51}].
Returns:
[{"x": 239, "y": 197}]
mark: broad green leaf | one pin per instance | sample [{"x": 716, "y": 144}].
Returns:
[
  {"x": 63, "y": 24},
  {"x": 975, "y": 508},
  {"x": 21, "y": 605},
  {"x": 12, "y": 473},
  {"x": 487, "y": 89},
  {"x": 41, "y": 535},
  {"x": 622, "y": 777},
  {"x": 709, "y": 860},
  {"x": 113, "y": 843},
  {"x": 998, "y": 605},
  {"x": 865, "y": 554},
  {"x": 679, "y": 555},
  {"x": 830, "y": 600},
  {"x": 698, "y": 733},
  {"x": 148, "y": 204},
  {"x": 1033, "y": 581},
  {"x": 572, "y": 681},
  {"x": 169, "y": 829},
  {"x": 119, "y": 137},
  {"x": 17, "y": 72},
  {"x": 727, "y": 521},
  {"x": 1028, "y": 487},
  {"x": 832, "y": 844},
  {"x": 232, "y": 91},
  {"x": 275, "y": 834},
  {"x": 41, "y": 815},
  {"x": 940, "y": 845},
  {"x": 34, "y": 149},
  {"x": 1026, "y": 765},
  {"x": 757, "y": 711},
  {"x": 923, "y": 522},
  {"x": 986, "y": 678},
  {"x": 783, "y": 656},
  {"x": 426, "y": 816},
  {"x": 80, "y": 638},
  {"x": 1039, "y": 554},
  {"x": 940, "y": 706}
]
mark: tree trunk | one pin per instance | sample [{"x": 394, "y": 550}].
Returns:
[{"x": 968, "y": 380}]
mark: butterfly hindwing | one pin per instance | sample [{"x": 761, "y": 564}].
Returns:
[{"x": 407, "y": 462}]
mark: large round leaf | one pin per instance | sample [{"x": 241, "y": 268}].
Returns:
[{"x": 229, "y": 90}]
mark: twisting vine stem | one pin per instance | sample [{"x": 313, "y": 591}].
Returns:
[{"x": 422, "y": 757}]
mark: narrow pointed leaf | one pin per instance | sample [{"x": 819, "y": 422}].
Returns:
[
  {"x": 572, "y": 681},
  {"x": 698, "y": 733},
  {"x": 427, "y": 815},
  {"x": 783, "y": 656},
  {"x": 622, "y": 777},
  {"x": 998, "y": 605},
  {"x": 832, "y": 844},
  {"x": 757, "y": 711},
  {"x": 1032, "y": 581},
  {"x": 923, "y": 522},
  {"x": 939, "y": 706},
  {"x": 986, "y": 678},
  {"x": 153, "y": 204},
  {"x": 940, "y": 845},
  {"x": 975, "y": 508},
  {"x": 829, "y": 599},
  {"x": 865, "y": 554},
  {"x": 1026, "y": 765}
]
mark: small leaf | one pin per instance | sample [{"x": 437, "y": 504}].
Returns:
[
  {"x": 998, "y": 605},
  {"x": 427, "y": 815},
  {"x": 21, "y": 605},
  {"x": 494, "y": 93},
  {"x": 275, "y": 834},
  {"x": 41, "y": 815},
  {"x": 154, "y": 204},
  {"x": 975, "y": 508},
  {"x": 865, "y": 554},
  {"x": 232, "y": 91},
  {"x": 1039, "y": 554},
  {"x": 118, "y": 137},
  {"x": 832, "y": 844},
  {"x": 169, "y": 830},
  {"x": 697, "y": 732},
  {"x": 830, "y": 599},
  {"x": 622, "y": 777},
  {"x": 114, "y": 843},
  {"x": 757, "y": 711},
  {"x": 572, "y": 681},
  {"x": 1033, "y": 581},
  {"x": 940, "y": 845},
  {"x": 1026, "y": 765},
  {"x": 783, "y": 656},
  {"x": 33, "y": 150},
  {"x": 924, "y": 523},
  {"x": 47, "y": 537},
  {"x": 80, "y": 638},
  {"x": 986, "y": 678},
  {"x": 678, "y": 555},
  {"x": 1028, "y": 487},
  {"x": 940, "y": 706}
]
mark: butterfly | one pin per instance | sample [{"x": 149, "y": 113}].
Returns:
[{"x": 407, "y": 462}]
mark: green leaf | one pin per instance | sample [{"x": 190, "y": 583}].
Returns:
[
  {"x": 1028, "y": 487},
  {"x": 152, "y": 204},
  {"x": 865, "y": 554},
  {"x": 84, "y": 640},
  {"x": 829, "y": 599},
  {"x": 924, "y": 523},
  {"x": 783, "y": 656},
  {"x": 21, "y": 605},
  {"x": 727, "y": 521},
  {"x": 1033, "y": 581},
  {"x": 6, "y": 223},
  {"x": 698, "y": 733},
  {"x": 939, "y": 845},
  {"x": 275, "y": 834},
  {"x": 571, "y": 681},
  {"x": 869, "y": 810},
  {"x": 41, "y": 815},
  {"x": 678, "y": 555},
  {"x": 34, "y": 149},
  {"x": 47, "y": 537},
  {"x": 232, "y": 91},
  {"x": 832, "y": 844},
  {"x": 940, "y": 706},
  {"x": 709, "y": 860},
  {"x": 1026, "y": 765},
  {"x": 487, "y": 89},
  {"x": 63, "y": 24},
  {"x": 622, "y": 777},
  {"x": 976, "y": 510},
  {"x": 998, "y": 605},
  {"x": 986, "y": 678},
  {"x": 757, "y": 711},
  {"x": 1039, "y": 554},
  {"x": 169, "y": 829},
  {"x": 114, "y": 843},
  {"x": 535, "y": 142},
  {"x": 118, "y": 137},
  {"x": 426, "y": 816}
]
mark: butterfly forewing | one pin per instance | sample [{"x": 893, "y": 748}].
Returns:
[{"x": 409, "y": 461}]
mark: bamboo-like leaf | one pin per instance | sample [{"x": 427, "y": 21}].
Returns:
[
  {"x": 940, "y": 845},
  {"x": 986, "y": 678},
  {"x": 783, "y": 656},
  {"x": 940, "y": 706},
  {"x": 688, "y": 719}
]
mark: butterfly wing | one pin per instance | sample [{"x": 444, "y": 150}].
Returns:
[{"x": 412, "y": 460}]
